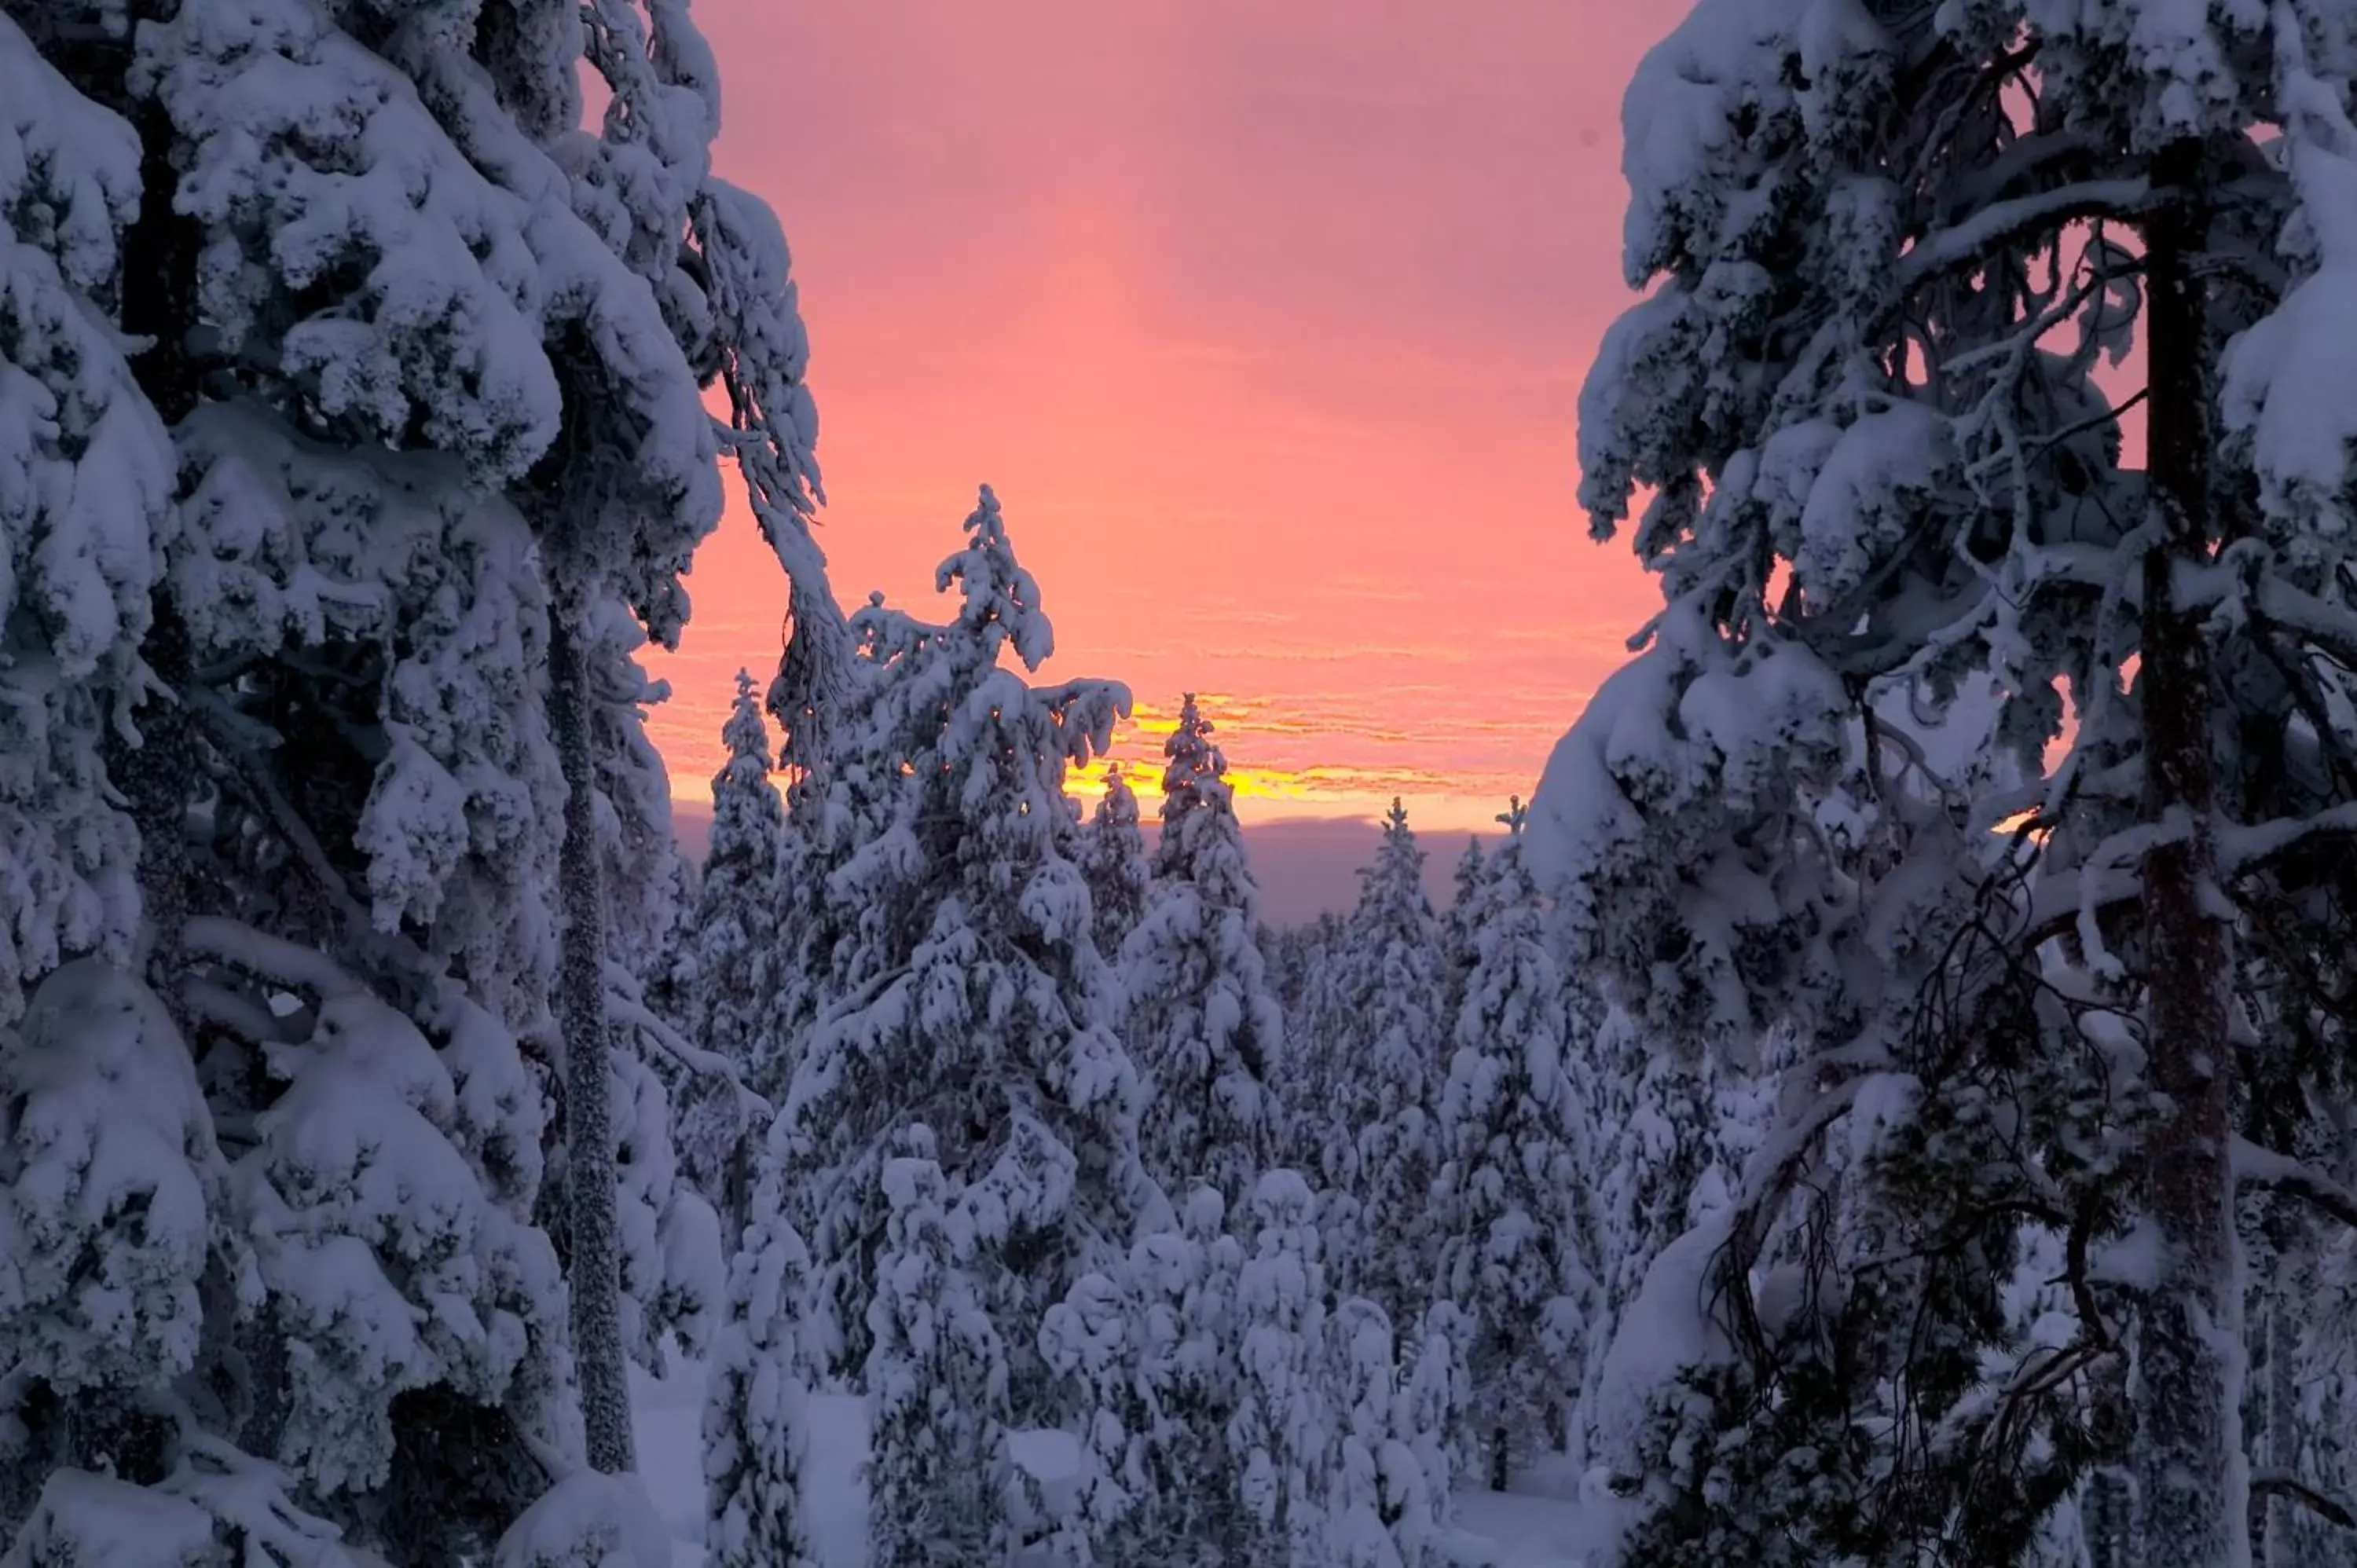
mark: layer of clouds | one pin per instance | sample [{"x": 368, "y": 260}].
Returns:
[{"x": 1266, "y": 321}]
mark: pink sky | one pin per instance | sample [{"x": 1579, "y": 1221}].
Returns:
[{"x": 1266, "y": 321}]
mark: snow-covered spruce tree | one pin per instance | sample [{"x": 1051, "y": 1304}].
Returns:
[
  {"x": 969, "y": 995},
  {"x": 339, "y": 635},
  {"x": 1112, "y": 857},
  {"x": 1151, "y": 1348},
  {"x": 937, "y": 1381},
  {"x": 1382, "y": 1511},
  {"x": 1456, "y": 933},
  {"x": 1278, "y": 1434},
  {"x": 1308, "y": 968},
  {"x": 1388, "y": 1056},
  {"x": 1516, "y": 1218},
  {"x": 115, "y": 1197},
  {"x": 86, "y": 476},
  {"x": 737, "y": 946},
  {"x": 410, "y": 1303},
  {"x": 351, "y": 375},
  {"x": 756, "y": 1430},
  {"x": 351, "y": 1284},
  {"x": 1204, "y": 1023},
  {"x": 1890, "y": 250},
  {"x": 1651, "y": 1109}
]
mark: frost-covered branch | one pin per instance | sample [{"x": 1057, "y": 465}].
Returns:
[
  {"x": 2242, "y": 849},
  {"x": 227, "y": 1009},
  {"x": 623, "y": 1005},
  {"x": 269, "y": 958},
  {"x": 2001, "y": 222},
  {"x": 2255, "y": 1165}
]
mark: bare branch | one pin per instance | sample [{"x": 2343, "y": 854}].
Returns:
[{"x": 2266, "y": 1484}]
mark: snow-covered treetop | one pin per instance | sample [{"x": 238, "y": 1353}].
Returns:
[
  {"x": 1000, "y": 603},
  {"x": 1201, "y": 838},
  {"x": 741, "y": 787},
  {"x": 1112, "y": 856},
  {"x": 1393, "y": 904},
  {"x": 1194, "y": 773}
]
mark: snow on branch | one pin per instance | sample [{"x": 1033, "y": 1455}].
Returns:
[
  {"x": 2241, "y": 848},
  {"x": 266, "y": 957},
  {"x": 227, "y": 1009},
  {"x": 2256, "y": 1166},
  {"x": 623, "y": 1005},
  {"x": 2002, "y": 221}
]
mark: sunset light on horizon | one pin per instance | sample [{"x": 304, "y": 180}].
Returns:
[{"x": 1266, "y": 325}]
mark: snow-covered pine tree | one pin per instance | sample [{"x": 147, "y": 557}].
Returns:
[
  {"x": 1383, "y": 1138},
  {"x": 683, "y": 281},
  {"x": 1112, "y": 858},
  {"x": 738, "y": 946},
  {"x": 1889, "y": 251},
  {"x": 968, "y": 994},
  {"x": 1204, "y": 1023},
  {"x": 1516, "y": 1216}
]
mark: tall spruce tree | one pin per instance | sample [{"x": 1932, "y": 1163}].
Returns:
[
  {"x": 1897, "y": 526},
  {"x": 738, "y": 950},
  {"x": 1203, "y": 1021},
  {"x": 1112, "y": 856},
  {"x": 1516, "y": 1216},
  {"x": 387, "y": 289},
  {"x": 969, "y": 997},
  {"x": 1388, "y": 1057}
]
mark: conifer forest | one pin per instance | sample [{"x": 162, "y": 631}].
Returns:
[{"x": 1886, "y": 1099}]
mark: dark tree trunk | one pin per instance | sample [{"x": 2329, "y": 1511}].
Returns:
[
  {"x": 595, "y": 1259},
  {"x": 2186, "y": 1511}
]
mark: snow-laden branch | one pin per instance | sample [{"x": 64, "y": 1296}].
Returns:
[
  {"x": 2328, "y": 625},
  {"x": 2060, "y": 902},
  {"x": 2244, "y": 848},
  {"x": 2003, "y": 221},
  {"x": 622, "y": 1005},
  {"x": 2255, "y": 1165},
  {"x": 270, "y": 957},
  {"x": 231, "y": 1010}
]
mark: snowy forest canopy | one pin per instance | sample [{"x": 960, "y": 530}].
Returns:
[{"x": 1886, "y": 1101}]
